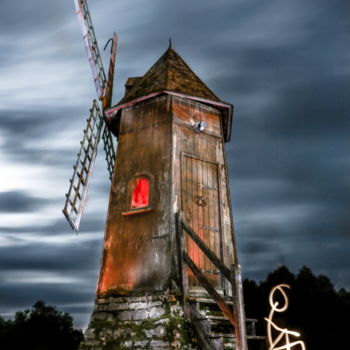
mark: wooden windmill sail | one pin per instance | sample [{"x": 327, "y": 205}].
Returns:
[{"x": 95, "y": 128}]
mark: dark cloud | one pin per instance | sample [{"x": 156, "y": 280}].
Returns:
[
  {"x": 12, "y": 293},
  {"x": 18, "y": 17},
  {"x": 51, "y": 257},
  {"x": 36, "y": 135},
  {"x": 314, "y": 110},
  {"x": 31, "y": 123},
  {"x": 20, "y": 130},
  {"x": 73, "y": 266},
  {"x": 20, "y": 202},
  {"x": 59, "y": 226},
  {"x": 14, "y": 298}
]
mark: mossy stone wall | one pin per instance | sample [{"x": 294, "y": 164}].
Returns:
[{"x": 144, "y": 322}]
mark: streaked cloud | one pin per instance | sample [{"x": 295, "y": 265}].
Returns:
[{"x": 283, "y": 64}]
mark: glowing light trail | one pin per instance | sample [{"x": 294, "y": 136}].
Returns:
[{"x": 282, "y": 340}]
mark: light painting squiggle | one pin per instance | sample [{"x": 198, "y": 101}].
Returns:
[{"x": 282, "y": 339}]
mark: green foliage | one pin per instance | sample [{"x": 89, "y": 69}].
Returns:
[
  {"x": 316, "y": 309},
  {"x": 42, "y": 327}
]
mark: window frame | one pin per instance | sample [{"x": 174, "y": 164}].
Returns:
[{"x": 132, "y": 182}]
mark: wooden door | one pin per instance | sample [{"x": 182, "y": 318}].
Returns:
[{"x": 201, "y": 207}]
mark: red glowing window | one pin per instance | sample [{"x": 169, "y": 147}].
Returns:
[{"x": 140, "y": 194}]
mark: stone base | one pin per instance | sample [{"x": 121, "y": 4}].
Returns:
[{"x": 147, "y": 322}]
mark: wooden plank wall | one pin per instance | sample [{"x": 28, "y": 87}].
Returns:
[
  {"x": 136, "y": 250},
  {"x": 157, "y": 139}
]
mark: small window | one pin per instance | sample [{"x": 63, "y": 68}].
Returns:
[{"x": 138, "y": 195}]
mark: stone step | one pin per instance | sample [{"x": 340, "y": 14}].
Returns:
[
  {"x": 206, "y": 300},
  {"x": 222, "y": 325}
]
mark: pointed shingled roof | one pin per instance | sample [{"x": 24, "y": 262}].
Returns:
[{"x": 169, "y": 73}]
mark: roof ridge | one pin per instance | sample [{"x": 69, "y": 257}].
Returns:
[
  {"x": 167, "y": 75},
  {"x": 184, "y": 62}
]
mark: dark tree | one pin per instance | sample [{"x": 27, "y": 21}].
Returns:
[
  {"x": 316, "y": 309},
  {"x": 42, "y": 327}
]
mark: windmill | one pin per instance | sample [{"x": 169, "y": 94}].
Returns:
[
  {"x": 96, "y": 127},
  {"x": 169, "y": 247}
]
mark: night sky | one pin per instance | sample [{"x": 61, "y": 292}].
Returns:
[{"x": 284, "y": 64}]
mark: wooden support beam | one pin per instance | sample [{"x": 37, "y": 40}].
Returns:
[
  {"x": 211, "y": 291},
  {"x": 225, "y": 271},
  {"x": 182, "y": 268},
  {"x": 238, "y": 308}
]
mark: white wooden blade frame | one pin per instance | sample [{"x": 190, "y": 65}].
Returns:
[
  {"x": 91, "y": 47},
  {"x": 108, "y": 146},
  {"x": 79, "y": 183}
]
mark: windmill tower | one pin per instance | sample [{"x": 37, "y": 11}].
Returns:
[{"x": 169, "y": 256}]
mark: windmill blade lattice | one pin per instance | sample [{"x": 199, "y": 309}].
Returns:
[
  {"x": 79, "y": 183},
  {"x": 108, "y": 146},
  {"x": 91, "y": 47}
]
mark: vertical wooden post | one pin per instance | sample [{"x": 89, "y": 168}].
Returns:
[
  {"x": 182, "y": 267},
  {"x": 238, "y": 308}
]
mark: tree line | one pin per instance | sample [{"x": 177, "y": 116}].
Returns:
[{"x": 42, "y": 327}]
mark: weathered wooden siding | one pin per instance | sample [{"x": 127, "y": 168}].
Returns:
[
  {"x": 157, "y": 139},
  {"x": 136, "y": 249}
]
